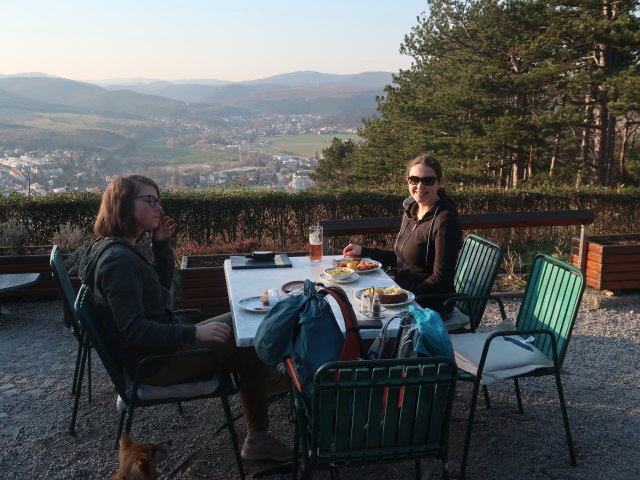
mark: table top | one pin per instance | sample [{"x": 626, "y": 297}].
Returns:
[
  {"x": 12, "y": 281},
  {"x": 253, "y": 283}
]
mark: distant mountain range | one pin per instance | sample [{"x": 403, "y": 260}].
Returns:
[{"x": 291, "y": 93}]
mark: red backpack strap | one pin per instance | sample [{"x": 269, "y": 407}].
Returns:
[{"x": 353, "y": 348}]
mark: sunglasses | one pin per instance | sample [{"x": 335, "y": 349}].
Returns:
[
  {"x": 151, "y": 200},
  {"x": 426, "y": 181}
]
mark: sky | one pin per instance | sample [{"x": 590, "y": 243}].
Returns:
[{"x": 231, "y": 40}]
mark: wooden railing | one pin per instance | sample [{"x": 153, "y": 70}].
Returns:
[{"x": 472, "y": 221}]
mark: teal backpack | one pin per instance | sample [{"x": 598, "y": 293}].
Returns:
[{"x": 303, "y": 332}]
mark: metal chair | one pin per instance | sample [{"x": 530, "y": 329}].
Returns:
[
  {"x": 376, "y": 411},
  {"x": 476, "y": 272},
  {"x": 131, "y": 390},
  {"x": 83, "y": 357},
  {"x": 547, "y": 314}
]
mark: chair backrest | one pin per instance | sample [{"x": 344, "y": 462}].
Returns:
[
  {"x": 551, "y": 301},
  {"x": 476, "y": 272},
  {"x": 89, "y": 317},
  {"x": 61, "y": 277},
  {"x": 377, "y": 410}
]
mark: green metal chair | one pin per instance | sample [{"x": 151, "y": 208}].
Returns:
[
  {"x": 83, "y": 357},
  {"x": 130, "y": 390},
  {"x": 376, "y": 411},
  {"x": 547, "y": 313},
  {"x": 476, "y": 272}
]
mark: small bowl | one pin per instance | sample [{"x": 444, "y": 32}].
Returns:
[{"x": 338, "y": 273}]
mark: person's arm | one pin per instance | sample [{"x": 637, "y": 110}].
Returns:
[
  {"x": 162, "y": 251},
  {"x": 120, "y": 282},
  {"x": 165, "y": 262},
  {"x": 385, "y": 256}
]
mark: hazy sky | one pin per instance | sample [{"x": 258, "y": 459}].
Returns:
[{"x": 190, "y": 39}]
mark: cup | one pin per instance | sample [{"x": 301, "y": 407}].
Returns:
[{"x": 315, "y": 243}]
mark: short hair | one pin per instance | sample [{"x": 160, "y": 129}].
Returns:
[
  {"x": 115, "y": 216},
  {"x": 427, "y": 161}
]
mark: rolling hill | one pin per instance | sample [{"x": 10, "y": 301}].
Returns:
[{"x": 291, "y": 93}]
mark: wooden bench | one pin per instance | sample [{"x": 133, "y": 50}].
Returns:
[{"x": 472, "y": 221}]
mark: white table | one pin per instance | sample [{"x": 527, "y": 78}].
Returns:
[{"x": 243, "y": 283}]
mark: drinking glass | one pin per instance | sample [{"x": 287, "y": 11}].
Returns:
[{"x": 315, "y": 243}]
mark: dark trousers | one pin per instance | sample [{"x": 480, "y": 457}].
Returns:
[{"x": 253, "y": 374}]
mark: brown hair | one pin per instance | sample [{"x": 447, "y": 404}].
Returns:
[
  {"x": 115, "y": 216},
  {"x": 434, "y": 163}
]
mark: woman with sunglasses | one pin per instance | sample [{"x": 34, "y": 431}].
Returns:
[
  {"x": 133, "y": 297},
  {"x": 426, "y": 248}
]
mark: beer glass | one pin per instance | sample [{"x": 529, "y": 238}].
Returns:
[{"x": 315, "y": 243}]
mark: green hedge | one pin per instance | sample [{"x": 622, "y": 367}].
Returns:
[{"x": 280, "y": 218}]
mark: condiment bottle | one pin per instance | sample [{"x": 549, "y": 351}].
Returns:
[
  {"x": 376, "y": 307},
  {"x": 364, "y": 304}
]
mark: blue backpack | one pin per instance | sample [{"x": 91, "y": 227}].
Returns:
[{"x": 302, "y": 331}]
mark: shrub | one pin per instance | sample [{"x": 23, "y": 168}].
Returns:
[
  {"x": 13, "y": 236},
  {"x": 69, "y": 237}
]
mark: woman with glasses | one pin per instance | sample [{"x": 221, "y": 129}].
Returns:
[
  {"x": 426, "y": 248},
  {"x": 133, "y": 297}
]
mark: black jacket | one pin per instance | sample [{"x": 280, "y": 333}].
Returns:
[{"x": 426, "y": 251}]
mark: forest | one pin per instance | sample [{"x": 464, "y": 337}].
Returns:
[{"x": 508, "y": 94}]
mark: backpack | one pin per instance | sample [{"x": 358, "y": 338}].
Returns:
[
  {"x": 421, "y": 333},
  {"x": 303, "y": 331}
]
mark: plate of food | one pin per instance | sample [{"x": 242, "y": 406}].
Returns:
[
  {"x": 358, "y": 265},
  {"x": 254, "y": 304},
  {"x": 392, "y": 296},
  {"x": 351, "y": 278}
]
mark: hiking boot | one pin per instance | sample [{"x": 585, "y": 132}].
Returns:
[{"x": 267, "y": 447}]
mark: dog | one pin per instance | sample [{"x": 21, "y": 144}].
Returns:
[{"x": 138, "y": 460}]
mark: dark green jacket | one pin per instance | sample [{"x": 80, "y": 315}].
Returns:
[{"x": 134, "y": 298}]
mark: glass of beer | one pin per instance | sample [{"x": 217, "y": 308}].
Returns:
[{"x": 315, "y": 243}]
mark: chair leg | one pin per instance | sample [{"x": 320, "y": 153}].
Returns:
[
  {"x": 232, "y": 433},
  {"x": 120, "y": 425},
  {"x": 129, "y": 411},
  {"x": 418, "y": 469},
  {"x": 88, "y": 349},
  {"x": 467, "y": 437},
  {"x": 77, "y": 369},
  {"x": 295, "y": 462},
  {"x": 516, "y": 383},
  {"x": 180, "y": 410},
  {"x": 565, "y": 419},
  {"x": 486, "y": 396},
  {"x": 78, "y": 385}
]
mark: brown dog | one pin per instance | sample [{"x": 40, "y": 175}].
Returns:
[{"x": 138, "y": 460}]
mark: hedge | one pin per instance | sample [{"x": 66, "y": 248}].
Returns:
[{"x": 211, "y": 217}]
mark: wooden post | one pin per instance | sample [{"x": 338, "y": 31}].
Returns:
[{"x": 584, "y": 248}]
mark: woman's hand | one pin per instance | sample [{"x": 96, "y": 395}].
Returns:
[
  {"x": 213, "y": 332},
  {"x": 166, "y": 227},
  {"x": 352, "y": 250}
]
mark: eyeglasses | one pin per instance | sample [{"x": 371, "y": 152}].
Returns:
[
  {"x": 426, "y": 181},
  {"x": 151, "y": 200}
]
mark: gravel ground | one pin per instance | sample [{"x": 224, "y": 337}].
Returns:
[{"x": 37, "y": 356}]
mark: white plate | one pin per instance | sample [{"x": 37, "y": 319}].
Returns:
[
  {"x": 351, "y": 278},
  {"x": 410, "y": 298},
  {"x": 363, "y": 260},
  {"x": 370, "y": 270},
  {"x": 254, "y": 304}
]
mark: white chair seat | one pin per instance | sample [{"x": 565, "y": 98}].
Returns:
[
  {"x": 179, "y": 390},
  {"x": 504, "y": 359}
]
